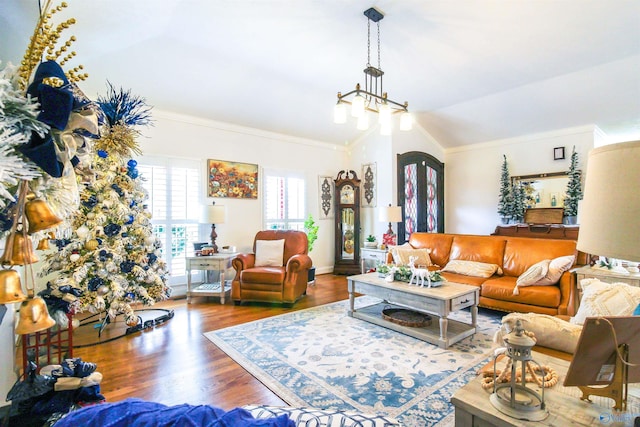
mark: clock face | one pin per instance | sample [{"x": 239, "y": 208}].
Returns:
[{"x": 347, "y": 195}]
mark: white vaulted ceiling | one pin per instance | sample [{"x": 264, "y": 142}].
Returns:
[{"x": 472, "y": 70}]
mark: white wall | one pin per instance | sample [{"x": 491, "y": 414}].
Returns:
[
  {"x": 188, "y": 137},
  {"x": 472, "y": 173}
]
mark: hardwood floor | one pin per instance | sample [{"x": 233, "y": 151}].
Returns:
[{"x": 174, "y": 363}]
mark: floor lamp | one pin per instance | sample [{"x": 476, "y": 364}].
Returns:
[
  {"x": 610, "y": 227},
  {"x": 213, "y": 214}
]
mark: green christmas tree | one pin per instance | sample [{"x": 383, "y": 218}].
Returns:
[
  {"x": 574, "y": 187},
  {"x": 519, "y": 202},
  {"x": 505, "y": 199},
  {"x": 111, "y": 260}
]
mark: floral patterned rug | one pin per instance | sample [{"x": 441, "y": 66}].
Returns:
[{"x": 322, "y": 358}]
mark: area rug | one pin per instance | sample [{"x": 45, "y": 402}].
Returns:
[{"x": 322, "y": 358}]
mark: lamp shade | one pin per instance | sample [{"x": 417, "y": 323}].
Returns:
[
  {"x": 213, "y": 214},
  {"x": 610, "y": 218},
  {"x": 390, "y": 214}
]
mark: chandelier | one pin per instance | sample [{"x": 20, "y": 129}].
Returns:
[{"x": 372, "y": 99}]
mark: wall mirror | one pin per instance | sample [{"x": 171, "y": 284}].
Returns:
[{"x": 545, "y": 190}]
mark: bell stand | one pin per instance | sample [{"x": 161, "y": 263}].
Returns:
[{"x": 618, "y": 388}]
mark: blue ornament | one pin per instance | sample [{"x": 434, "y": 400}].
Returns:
[
  {"x": 103, "y": 154},
  {"x": 112, "y": 229},
  {"x": 151, "y": 257},
  {"x": 130, "y": 220},
  {"x": 132, "y": 164},
  {"x": 125, "y": 234},
  {"x": 133, "y": 173},
  {"x": 95, "y": 283},
  {"x": 127, "y": 266}
]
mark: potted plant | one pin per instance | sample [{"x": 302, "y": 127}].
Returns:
[
  {"x": 311, "y": 229},
  {"x": 371, "y": 241}
]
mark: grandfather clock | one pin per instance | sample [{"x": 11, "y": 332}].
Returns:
[{"x": 347, "y": 217}]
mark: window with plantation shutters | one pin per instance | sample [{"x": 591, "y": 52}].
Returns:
[
  {"x": 284, "y": 200},
  {"x": 174, "y": 186}
]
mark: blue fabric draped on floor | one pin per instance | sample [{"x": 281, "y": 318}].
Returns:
[{"x": 138, "y": 413}]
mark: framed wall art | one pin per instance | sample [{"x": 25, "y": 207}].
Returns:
[
  {"x": 232, "y": 179},
  {"x": 325, "y": 191},
  {"x": 369, "y": 190}
]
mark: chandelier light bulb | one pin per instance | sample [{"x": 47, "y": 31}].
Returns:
[
  {"x": 357, "y": 106},
  {"x": 363, "y": 122},
  {"x": 384, "y": 114},
  {"x": 385, "y": 128},
  {"x": 406, "y": 121},
  {"x": 340, "y": 113}
]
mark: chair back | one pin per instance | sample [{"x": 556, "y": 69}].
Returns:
[{"x": 295, "y": 242}]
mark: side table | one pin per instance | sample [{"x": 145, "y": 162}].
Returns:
[
  {"x": 587, "y": 272},
  {"x": 372, "y": 255},
  {"x": 472, "y": 406},
  {"x": 217, "y": 262}
]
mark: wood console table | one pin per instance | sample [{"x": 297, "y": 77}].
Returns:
[{"x": 540, "y": 231}]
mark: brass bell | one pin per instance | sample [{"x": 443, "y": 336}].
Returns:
[
  {"x": 39, "y": 216},
  {"x": 21, "y": 252},
  {"x": 43, "y": 244},
  {"x": 10, "y": 287},
  {"x": 34, "y": 317}
]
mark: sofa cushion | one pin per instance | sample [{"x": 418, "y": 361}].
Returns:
[
  {"x": 549, "y": 331},
  {"x": 269, "y": 253},
  {"x": 520, "y": 253},
  {"x": 268, "y": 275},
  {"x": 472, "y": 268},
  {"x": 439, "y": 244},
  {"x": 501, "y": 288},
  {"x": 544, "y": 273},
  {"x": 487, "y": 249},
  {"x": 606, "y": 299},
  {"x": 402, "y": 253},
  {"x": 461, "y": 278}
]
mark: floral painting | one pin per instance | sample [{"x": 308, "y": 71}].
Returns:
[{"x": 232, "y": 179}]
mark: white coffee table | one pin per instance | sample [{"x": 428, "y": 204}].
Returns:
[{"x": 439, "y": 301}]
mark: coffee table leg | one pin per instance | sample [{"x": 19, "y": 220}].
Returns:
[
  {"x": 474, "y": 315},
  {"x": 444, "y": 323},
  {"x": 352, "y": 298}
]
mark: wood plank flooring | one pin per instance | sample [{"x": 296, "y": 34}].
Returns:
[{"x": 174, "y": 363}]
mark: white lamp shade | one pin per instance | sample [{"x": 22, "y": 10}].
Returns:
[
  {"x": 406, "y": 121},
  {"x": 363, "y": 122},
  {"x": 610, "y": 217},
  {"x": 390, "y": 214},
  {"x": 357, "y": 106},
  {"x": 213, "y": 214},
  {"x": 340, "y": 113},
  {"x": 384, "y": 115}
]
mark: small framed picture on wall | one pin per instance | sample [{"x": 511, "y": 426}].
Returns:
[{"x": 558, "y": 153}]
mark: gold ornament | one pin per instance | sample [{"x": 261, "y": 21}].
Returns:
[{"x": 91, "y": 245}]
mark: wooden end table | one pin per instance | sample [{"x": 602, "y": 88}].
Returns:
[{"x": 220, "y": 262}]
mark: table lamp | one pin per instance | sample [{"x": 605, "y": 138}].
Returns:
[
  {"x": 213, "y": 214},
  {"x": 610, "y": 210},
  {"x": 390, "y": 214}
]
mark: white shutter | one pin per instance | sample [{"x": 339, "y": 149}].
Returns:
[{"x": 284, "y": 200}]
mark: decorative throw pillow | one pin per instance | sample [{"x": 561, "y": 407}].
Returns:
[
  {"x": 533, "y": 274},
  {"x": 606, "y": 299},
  {"x": 557, "y": 267},
  {"x": 394, "y": 251},
  {"x": 548, "y": 331},
  {"x": 269, "y": 253},
  {"x": 401, "y": 256},
  {"x": 472, "y": 268}
]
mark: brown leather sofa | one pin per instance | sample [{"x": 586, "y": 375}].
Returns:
[
  {"x": 514, "y": 255},
  {"x": 283, "y": 284}
]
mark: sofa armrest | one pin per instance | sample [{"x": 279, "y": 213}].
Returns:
[
  {"x": 299, "y": 262},
  {"x": 243, "y": 261},
  {"x": 569, "y": 294}
]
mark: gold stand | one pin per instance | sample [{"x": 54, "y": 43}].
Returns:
[{"x": 618, "y": 388}]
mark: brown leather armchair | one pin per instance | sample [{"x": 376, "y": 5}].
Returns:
[{"x": 285, "y": 283}]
